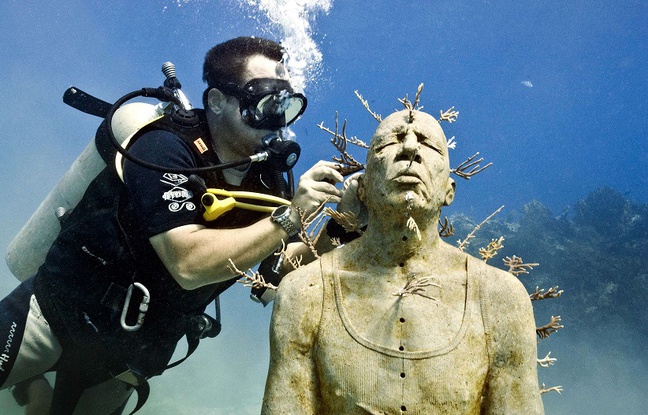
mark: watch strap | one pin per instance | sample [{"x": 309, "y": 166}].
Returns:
[{"x": 286, "y": 223}]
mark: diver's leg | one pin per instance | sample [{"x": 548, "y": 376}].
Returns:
[
  {"x": 28, "y": 350},
  {"x": 35, "y": 394}
]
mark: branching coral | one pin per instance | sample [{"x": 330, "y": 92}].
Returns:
[
  {"x": 541, "y": 294},
  {"x": 445, "y": 228},
  {"x": 544, "y": 389},
  {"x": 411, "y": 107},
  {"x": 547, "y": 361},
  {"x": 450, "y": 115},
  {"x": 417, "y": 98},
  {"x": 417, "y": 286},
  {"x": 464, "y": 244},
  {"x": 517, "y": 266},
  {"x": 295, "y": 262},
  {"x": 472, "y": 164},
  {"x": 376, "y": 117},
  {"x": 250, "y": 278},
  {"x": 452, "y": 142},
  {"x": 348, "y": 220},
  {"x": 411, "y": 223},
  {"x": 348, "y": 164},
  {"x": 491, "y": 250},
  {"x": 311, "y": 228},
  {"x": 337, "y": 137},
  {"x": 550, "y": 328}
]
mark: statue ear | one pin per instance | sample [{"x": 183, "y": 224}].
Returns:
[
  {"x": 362, "y": 191},
  {"x": 216, "y": 100},
  {"x": 450, "y": 192}
]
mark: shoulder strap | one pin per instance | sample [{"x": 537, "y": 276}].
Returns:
[{"x": 194, "y": 132}]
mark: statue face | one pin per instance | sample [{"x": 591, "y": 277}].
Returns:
[{"x": 407, "y": 157}]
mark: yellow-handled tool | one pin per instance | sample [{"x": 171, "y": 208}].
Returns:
[{"x": 218, "y": 201}]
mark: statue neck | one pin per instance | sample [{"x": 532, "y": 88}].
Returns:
[{"x": 394, "y": 241}]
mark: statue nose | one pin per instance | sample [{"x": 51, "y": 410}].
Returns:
[{"x": 410, "y": 143}]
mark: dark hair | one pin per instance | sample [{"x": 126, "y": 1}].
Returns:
[{"x": 227, "y": 61}]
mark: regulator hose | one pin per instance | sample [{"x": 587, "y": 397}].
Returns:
[{"x": 166, "y": 94}]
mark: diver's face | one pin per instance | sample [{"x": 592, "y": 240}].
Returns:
[
  {"x": 248, "y": 138},
  {"x": 408, "y": 157}
]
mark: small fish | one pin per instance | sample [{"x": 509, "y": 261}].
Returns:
[{"x": 527, "y": 84}]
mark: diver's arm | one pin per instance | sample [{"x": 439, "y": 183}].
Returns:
[{"x": 196, "y": 256}]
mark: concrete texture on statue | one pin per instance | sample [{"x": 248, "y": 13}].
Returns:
[{"x": 398, "y": 321}]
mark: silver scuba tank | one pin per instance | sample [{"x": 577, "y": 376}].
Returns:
[{"x": 28, "y": 249}]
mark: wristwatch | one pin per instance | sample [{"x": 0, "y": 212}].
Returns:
[{"x": 281, "y": 215}]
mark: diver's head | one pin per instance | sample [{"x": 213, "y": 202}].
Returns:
[
  {"x": 248, "y": 95},
  {"x": 407, "y": 154},
  {"x": 266, "y": 100}
]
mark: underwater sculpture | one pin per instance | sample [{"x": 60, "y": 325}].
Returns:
[{"x": 398, "y": 321}]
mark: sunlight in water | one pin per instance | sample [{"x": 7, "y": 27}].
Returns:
[{"x": 292, "y": 19}]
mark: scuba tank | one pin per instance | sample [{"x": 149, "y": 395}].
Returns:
[{"x": 28, "y": 249}]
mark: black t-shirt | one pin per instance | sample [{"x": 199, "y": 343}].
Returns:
[{"x": 161, "y": 201}]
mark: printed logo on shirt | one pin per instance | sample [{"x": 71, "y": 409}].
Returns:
[
  {"x": 179, "y": 198},
  {"x": 174, "y": 179}
]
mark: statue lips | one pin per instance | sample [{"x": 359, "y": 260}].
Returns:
[
  {"x": 407, "y": 176},
  {"x": 407, "y": 179}
]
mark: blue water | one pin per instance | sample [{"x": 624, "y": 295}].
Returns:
[{"x": 552, "y": 92}]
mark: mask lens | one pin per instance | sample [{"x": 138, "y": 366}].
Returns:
[
  {"x": 269, "y": 103},
  {"x": 278, "y": 110},
  {"x": 295, "y": 108}
]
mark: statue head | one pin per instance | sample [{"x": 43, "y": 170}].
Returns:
[{"x": 408, "y": 153}]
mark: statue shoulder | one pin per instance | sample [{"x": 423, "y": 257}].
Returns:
[
  {"x": 507, "y": 312},
  {"x": 504, "y": 300},
  {"x": 297, "y": 309},
  {"x": 499, "y": 286},
  {"x": 300, "y": 289},
  {"x": 303, "y": 282}
]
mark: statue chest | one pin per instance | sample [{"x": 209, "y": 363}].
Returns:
[{"x": 385, "y": 352}]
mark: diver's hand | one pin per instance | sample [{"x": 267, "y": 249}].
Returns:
[
  {"x": 316, "y": 187},
  {"x": 350, "y": 201}
]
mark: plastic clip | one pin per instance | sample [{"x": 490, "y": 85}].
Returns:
[{"x": 143, "y": 307}]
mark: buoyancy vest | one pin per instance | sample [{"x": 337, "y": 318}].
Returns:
[{"x": 100, "y": 252}]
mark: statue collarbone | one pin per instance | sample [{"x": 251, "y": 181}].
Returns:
[{"x": 408, "y": 306}]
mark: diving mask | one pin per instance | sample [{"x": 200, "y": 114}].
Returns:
[{"x": 267, "y": 103}]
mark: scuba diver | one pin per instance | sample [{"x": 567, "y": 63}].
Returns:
[{"x": 136, "y": 263}]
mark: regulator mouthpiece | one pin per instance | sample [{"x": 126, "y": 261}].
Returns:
[{"x": 283, "y": 153}]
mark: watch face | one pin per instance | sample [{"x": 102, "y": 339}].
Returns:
[{"x": 281, "y": 210}]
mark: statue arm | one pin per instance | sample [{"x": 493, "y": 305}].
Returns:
[
  {"x": 292, "y": 385},
  {"x": 512, "y": 383}
]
